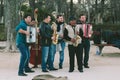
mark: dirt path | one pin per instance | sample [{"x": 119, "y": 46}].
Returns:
[{"x": 106, "y": 67}]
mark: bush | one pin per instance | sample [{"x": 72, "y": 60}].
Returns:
[
  {"x": 113, "y": 27},
  {"x": 3, "y": 36}
]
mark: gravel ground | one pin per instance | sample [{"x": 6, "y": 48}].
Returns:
[{"x": 106, "y": 67}]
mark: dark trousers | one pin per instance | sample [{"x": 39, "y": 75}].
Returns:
[
  {"x": 86, "y": 49},
  {"x": 24, "y": 57},
  {"x": 78, "y": 51}
]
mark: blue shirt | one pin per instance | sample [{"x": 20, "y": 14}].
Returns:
[{"x": 21, "y": 38}]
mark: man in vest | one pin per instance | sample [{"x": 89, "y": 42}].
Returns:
[{"x": 70, "y": 37}]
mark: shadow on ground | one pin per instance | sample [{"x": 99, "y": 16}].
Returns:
[
  {"x": 117, "y": 55},
  {"x": 48, "y": 77}
]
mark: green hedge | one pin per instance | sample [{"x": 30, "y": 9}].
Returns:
[
  {"x": 113, "y": 27},
  {"x": 3, "y": 36}
]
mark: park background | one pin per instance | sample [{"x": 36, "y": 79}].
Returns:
[{"x": 102, "y": 14}]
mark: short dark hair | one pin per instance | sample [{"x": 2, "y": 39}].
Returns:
[
  {"x": 82, "y": 15},
  {"x": 46, "y": 15},
  {"x": 59, "y": 16},
  {"x": 26, "y": 15},
  {"x": 71, "y": 18}
]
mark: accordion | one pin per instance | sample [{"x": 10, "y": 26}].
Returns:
[{"x": 32, "y": 37}]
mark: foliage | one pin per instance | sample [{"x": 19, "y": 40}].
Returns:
[
  {"x": 113, "y": 27},
  {"x": 2, "y": 33},
  {"x": 41, "y": 12},
  {"x": 24, "y": 8}
]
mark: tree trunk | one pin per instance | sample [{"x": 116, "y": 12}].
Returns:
[
  {"x": 79, "y": 1},
  {"x": 1, "y": 11},
  {"x": 99, "y": 15},
  {"x": 11, "y": 20},
  {"x": 71, "y": 7},
  {"x": 88, "y": 10},
  {"x": 32, "y": 5}
]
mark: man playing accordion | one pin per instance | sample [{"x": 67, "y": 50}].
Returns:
[{"x": 85, "y": 31}]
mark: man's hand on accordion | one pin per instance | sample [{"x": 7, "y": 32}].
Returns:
[
  {"x": 24, "y": 32},
  {"x": 27, "y": 33}
]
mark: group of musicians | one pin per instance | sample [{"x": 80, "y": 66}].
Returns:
[{"x": 53, "y": 38}]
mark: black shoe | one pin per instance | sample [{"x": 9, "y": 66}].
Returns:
[
  {"x": 86, "y": 66},
  {"x": 71, "y": 70},
  {"x": 81, "y": 70},
  {"x": 35, "y": 66},
  {"x": 22, "y": 74},
  {"x": 29, "y": 71},
  {"x": 45, "y": 71},
  {"x": 60, "y": 67},
  {"x": 53, "y": 69}
]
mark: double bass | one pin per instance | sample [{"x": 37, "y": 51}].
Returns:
[{"x": 35, "y": 51}]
